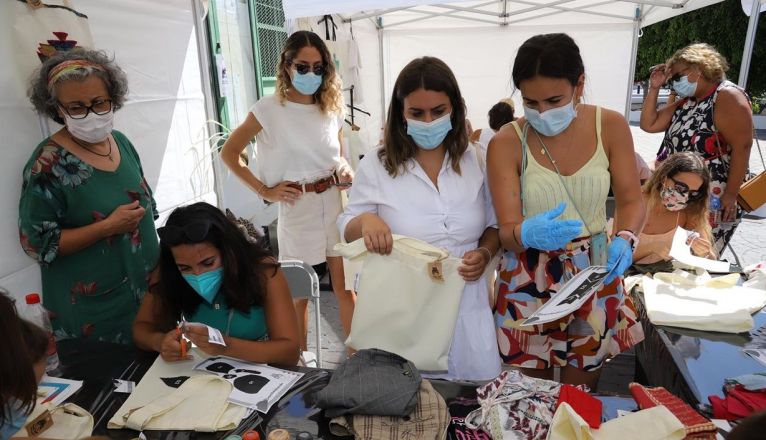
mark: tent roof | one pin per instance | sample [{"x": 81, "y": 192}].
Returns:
[{"x": 418, "y": 13}]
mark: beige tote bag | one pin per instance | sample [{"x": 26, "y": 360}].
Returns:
[
  {"x": 69, "y": 422},
  {"x": 198, "y": 404},
  {"x": 407, "y": 301}
]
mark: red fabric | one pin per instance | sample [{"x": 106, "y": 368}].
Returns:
[
  {"x": 696, "y": 426},
  {"x": 587, "y": 406},
  {"x": 738, "y": 403}
]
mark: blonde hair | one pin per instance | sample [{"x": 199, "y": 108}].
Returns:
[
  {"x": 329, "y": 96},
  {"x": 703, "y": 56}
]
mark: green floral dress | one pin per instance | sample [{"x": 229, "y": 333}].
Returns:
[{"x": 96, "y": 291}]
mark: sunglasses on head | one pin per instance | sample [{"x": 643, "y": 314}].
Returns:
[
  {"x": 195, "y": 232},
  {"x": 303, "y": 69},
  {"x": 683, "y": 189}
]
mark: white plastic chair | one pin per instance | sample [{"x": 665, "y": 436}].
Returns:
[{"x": 304, "y": 283}]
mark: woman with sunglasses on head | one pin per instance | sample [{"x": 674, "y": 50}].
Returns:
[
  {"x": 550, "y": 173},
  {"x": 711, "y": 117},
  {"x": 212, "y": 273},
  {"x": 428, "y": 182},
  {"x": 300, "y": 161},
  {"x": 86, "y": 212},
  {"x": 675, "y": 196}
]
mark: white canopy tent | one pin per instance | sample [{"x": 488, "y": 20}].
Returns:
[{"x": 478, "y": 40}]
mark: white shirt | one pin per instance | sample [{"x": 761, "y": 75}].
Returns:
[
  {"x": 298, "y": 142},
  {"x": 485, "y": 135},
  {"x": 453, "y": 216}
]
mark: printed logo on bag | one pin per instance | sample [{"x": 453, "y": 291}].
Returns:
[
  {"x": 174, "y": 382},
  {"x": 40, "y": 424},
  {"x": 435, "y": 271},
  {"x": 55, "y": 47}
]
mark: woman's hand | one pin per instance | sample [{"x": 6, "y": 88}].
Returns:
[
  {"x": 728, "y": 207},
  {"x": 170, "y": 348},
  {"x": 377, "y": 235},
  {"x": 287, "y": 192},
  {"x": 659, "y": 76},
  {"x": 125, "y": 218},
  {"x": 474, "y": 263},
  {"x": 700, "y": 246},
  {"x": 345, "y": 175},
  {"x": 199, "y": 336}
]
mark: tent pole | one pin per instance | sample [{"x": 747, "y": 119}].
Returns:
[
  {"x": 747, "y": 55},
  {"x": 382, "y": 71},
  {"x": 633, "y": 53},
  {"x": 205, "y": 68}
]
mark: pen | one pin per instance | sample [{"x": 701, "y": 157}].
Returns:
[{"x": 181, "y": 340}]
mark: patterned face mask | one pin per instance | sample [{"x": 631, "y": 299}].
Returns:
[{"x": 673, "y": 200}]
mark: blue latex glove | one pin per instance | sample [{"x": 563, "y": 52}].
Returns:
[
  {"x": 546, "y": 233},
  {"x": 620, "y": 258}
]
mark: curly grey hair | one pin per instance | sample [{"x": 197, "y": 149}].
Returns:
[{"x": 44, "y": 98}]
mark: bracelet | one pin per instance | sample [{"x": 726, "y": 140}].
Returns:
[
  {"x": 258, "y": 191},
  {"x": 489, "y": 254},
  {"x": 632, "y": 237}
]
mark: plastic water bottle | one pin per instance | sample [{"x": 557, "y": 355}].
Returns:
[
  {"x": 38, "y": 315},
  {"x": 715, "y": 211}
]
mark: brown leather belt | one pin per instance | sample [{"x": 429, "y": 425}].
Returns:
[{"x": 317, "y": 186}]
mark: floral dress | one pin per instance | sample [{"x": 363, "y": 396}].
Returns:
[
  {"x": 693, "y": 129},
  {"x": 94, "y": 292}
]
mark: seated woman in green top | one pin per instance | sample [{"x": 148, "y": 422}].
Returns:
[{"x": 211, "y": 273}]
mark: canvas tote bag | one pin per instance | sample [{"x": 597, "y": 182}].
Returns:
[
  {"x": 407, "y": 301},
  {"x": 172, "y": 396},
  {"x": 69, "y": 421}
]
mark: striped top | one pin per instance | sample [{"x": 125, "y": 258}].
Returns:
[{"x": 589, "y": 186}]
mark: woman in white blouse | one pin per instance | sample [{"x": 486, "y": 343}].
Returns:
[{"x": 428, "y": 182}]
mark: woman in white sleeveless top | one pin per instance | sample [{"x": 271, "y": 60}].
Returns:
[{"x": 300, "y": 161}]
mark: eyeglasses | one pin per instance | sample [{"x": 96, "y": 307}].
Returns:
[
  {"x": 303, "y": 69},
  {"x": 78, "y": 110},
  {"x": 194, "y": 232},
  {"x": 683, "y": 189}
]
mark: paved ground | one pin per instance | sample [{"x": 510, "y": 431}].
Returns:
[{"x": 749, "y": 243}]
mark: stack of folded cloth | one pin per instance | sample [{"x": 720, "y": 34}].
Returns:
[
  {"x": 378, "y": 395},
  {"x": 695, "y": 425},
  {"x": 745, "y": 395}
]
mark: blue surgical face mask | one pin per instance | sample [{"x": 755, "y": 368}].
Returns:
[
  {"x": 551, "y": 122},
  {"x": 429, "y": 135},
  {"x": 308, "y": 83},
  {"x": 206, "y": 284},
  {"x": 13, "y": 421},
  {"x": 684, "y": 87}
]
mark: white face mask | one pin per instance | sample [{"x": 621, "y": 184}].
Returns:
[{"x": 92, "y": 128}]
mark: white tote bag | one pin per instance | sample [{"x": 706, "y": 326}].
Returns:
[
  {"x": 67, "y": 422},
  {"x": 54, "y": 26},
  {"x": 407, "y": 301},
  {"x": 172, "y": 396}
]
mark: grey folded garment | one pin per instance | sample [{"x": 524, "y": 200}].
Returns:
[{"x": 373, "y": 382}]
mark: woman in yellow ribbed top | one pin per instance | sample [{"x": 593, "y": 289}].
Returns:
[{"x": 550, "y": 174}]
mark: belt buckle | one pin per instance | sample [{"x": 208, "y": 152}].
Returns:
[{"x": 321, "y": 186}]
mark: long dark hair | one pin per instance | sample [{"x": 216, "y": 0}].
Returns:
[
  {"x": 25, "y": 345},
  {"x": 550, "y": 55},
  {"x": 329, "y": 97},
  {"x": 431, "y": 74},
  {"x": 245, "y": 264}
]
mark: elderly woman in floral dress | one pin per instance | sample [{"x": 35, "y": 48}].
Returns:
[{"x": 86, "y": 213}]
